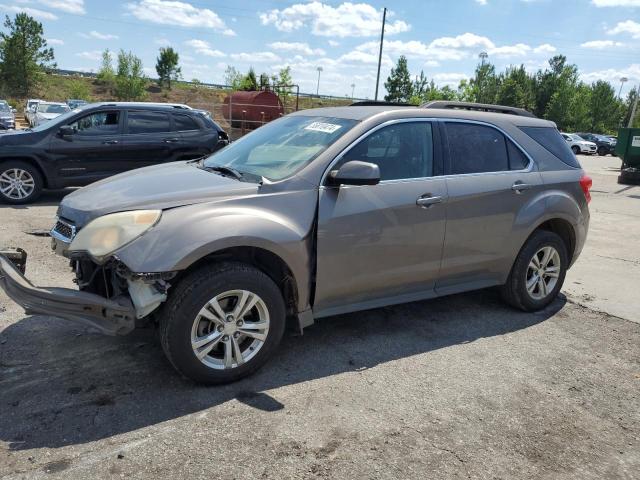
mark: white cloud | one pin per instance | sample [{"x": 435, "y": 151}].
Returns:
[
  {"x": 509, "y": 51},
  {"x": 163, "y": 42},
  {"x": 616, "y": 3},
  {"x": 345, "y": 20},
  {"x": 333, "y": 43},
  {"x": 481, "y": 2},
  {"x": 90, "y": 55},
  {"x": 33, "y": 12},
  {"x": 545, "y": 48},
  {"x": 257, "y": 57},
  {"x": 166, "y": 12},
  {"x": 601, "y": 44},
  {"x": 299, "y": 47},
  {"x": 612, "y": 75},
  {"x": 98, "y": 36},
  {"x": 628, "y": 26},
  {"x": 451, "y": 79},
  {"x": 204, "y": 48},
  {"x": 68, "y": 6},
  {"x": 55, "y": 41}
]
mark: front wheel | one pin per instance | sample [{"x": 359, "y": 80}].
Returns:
[
  {"x": 20, "y": 182},
  {"x": 602, "y": 151},
  {"x": 538, "y": 272},
  {"x": 222, "y": 322},
  {"x": 576, "y": 150}
]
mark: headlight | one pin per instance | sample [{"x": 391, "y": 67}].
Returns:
[{"x": 106, "y": 234}]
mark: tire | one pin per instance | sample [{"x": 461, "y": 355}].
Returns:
[
  {"x": 182, "y": 322},
  {"x": 515, "y": 291},
  {"x": 32, "y": 182},
  {"x": 576, "y": 150},
  {"x": 602, "y": 151}
]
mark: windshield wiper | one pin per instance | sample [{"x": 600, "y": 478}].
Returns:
[{"x": 227, "y": 171}]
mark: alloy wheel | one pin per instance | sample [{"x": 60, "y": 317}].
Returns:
[
  {"x": 543, "y": 272},
  {"x": 230, "y": 329},
  {"x": 17, "y": 184}
]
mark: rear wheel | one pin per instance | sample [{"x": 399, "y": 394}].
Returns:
[
  {"x": 20, "y": 182},
  {"x": 576, "y": 149},
  {"x": 602, "y": 151},
  {"x": 538, "y": 272},
  {"x": 222, "y": 323}
]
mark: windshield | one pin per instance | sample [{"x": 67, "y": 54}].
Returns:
[
  {"x": 576, "y": 137},
  {"x": 602, "y": 138},
  {"x": 52, "y": 108},
  {"x": 5, "y": 107},
  {"x": 281, "y": 148}
]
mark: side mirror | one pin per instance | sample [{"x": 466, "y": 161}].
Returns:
[
  {"x": 355, "y": 172},
  {"x": 66, "y": 131},
  {"x": 14, "y": 110}
]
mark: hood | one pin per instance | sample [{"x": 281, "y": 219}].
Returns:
[{"x": 156, "y": 187}]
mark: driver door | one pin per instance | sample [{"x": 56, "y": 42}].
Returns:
[
  {"x": 382, "y": 244},
  {"x": 92, "y": 152}
]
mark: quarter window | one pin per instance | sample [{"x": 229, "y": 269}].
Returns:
[
  {"x": 402, "y": 150},
  {"x": 184, "y": 122},
  {"x": 148, "y": 122},
  {"x": 98, "y": 123},
  {"x": 476, "y": 148}
]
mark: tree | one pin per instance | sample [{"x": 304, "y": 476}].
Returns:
[
  {"x": 485, "y": 83},
  {"x": 249, "y": 81},
  {"x": 232, "y": 77},
  {"x": 399, "y": 85},
  {"x": 130, "y": 81},
  {"x": 605, "y": 109},
  {"x": 24, "y": 55},
  {"x": 264, "y": 81},
  {"x": 167, "y": 66},
  {"x": 79, "y": 89},
  {"x": 106, "y": 75},
  {"x": 282, "y": 84},
  {"x": 515, "y": 89},
  {"x": 628, "y": 107}
]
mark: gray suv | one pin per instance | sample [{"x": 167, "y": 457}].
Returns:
[{"x": 319, "y": 213}]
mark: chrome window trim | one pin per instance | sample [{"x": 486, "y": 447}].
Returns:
[{"x": 345, "y": 150}]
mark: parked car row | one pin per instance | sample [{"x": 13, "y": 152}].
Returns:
[
  {"x": 7, "y": 116},
  {"x": 92, "y": 142},
  {"x": 590, "y": 143},
  {"x": 37, "y": 112}
]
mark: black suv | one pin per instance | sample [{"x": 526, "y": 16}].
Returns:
[
  {"x": 99, "y": 140},
  {"x": 605, "y": 144}
]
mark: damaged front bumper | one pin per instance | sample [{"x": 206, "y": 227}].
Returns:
[{"x": 110, "y": 316}]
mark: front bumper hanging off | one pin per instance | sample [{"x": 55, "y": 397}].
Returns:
[{"x": 112, "y": 317}]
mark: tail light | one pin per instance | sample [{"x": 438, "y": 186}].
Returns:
[{"x": 585, "y": 184}]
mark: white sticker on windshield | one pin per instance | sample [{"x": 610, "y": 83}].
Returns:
[{"x": 323, "y": 127}]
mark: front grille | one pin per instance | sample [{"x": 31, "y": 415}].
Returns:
[{"x": 64, "y": 230}]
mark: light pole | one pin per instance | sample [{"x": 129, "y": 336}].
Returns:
[
  {"x": 483, "y": 56},
  {"x": 384, "y": 20},
  {"x": 353, "y": 87},
  {"x": 622, "y": 80},
  {"x": 318, "y": 86}
]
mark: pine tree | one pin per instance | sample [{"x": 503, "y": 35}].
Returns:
[
  {"x": 167, "y": 66},
  {"x": 399, "y": 85}
]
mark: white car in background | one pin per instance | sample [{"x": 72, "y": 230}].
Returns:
[
  {"x": 29, "y": 109},
  {"x": 579, "y": 144},
  {"x": 45, "y": 111}
]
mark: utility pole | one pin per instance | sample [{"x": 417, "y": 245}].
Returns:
[
  {"x": 353, "y": 87},
  {"x": 622, "y": 80},
  {"x": 483, "y": 56},
  {"x": 384, "y": 19},
  {"x": 633, "y": 109},
  {"x": 318, "y": 86}
]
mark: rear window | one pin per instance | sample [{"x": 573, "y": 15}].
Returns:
[
  {"x": 553, "y": 142},
  {"x": 148, "y": 122},
  {"x": 184, "y": 122}
]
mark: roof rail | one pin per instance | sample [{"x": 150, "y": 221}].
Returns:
[
  {"x": 478, "y": 107},
  {"x": 375, "y": 103}
]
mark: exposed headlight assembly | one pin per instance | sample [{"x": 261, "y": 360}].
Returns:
[{"x": 106, "y": 234}]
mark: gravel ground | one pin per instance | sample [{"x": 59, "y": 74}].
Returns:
[{"x": 458, "y": 387}]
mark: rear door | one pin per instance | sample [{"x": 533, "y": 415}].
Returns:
[
  {"x": 148, "y": 139},
  {"x": 92, "y": 152},
  {"x": 489, "y": 180},
  {"x": 381, "y": 244},
  {"x": 195, "y": 141}
]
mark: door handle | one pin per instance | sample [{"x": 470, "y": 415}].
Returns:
[
  {"x": 110, "y": 142},
  {"x": 426, "y": 201},
  {"x": 519, "y": 187},
  {"x": 170, "y": 140}
]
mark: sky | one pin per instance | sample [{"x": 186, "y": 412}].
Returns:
[{"x": 441, "y": 38}]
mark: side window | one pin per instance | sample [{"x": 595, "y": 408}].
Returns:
[
  {"x": 517, "y": 159},
  {"x": 184, "y": 122},
  {"x": 476, "y": 148},
  {"x": 98, "y": 123},
  {"x": 402, "y": 150},
  {"x": 148, "y": 122},
  {"x": 550, "y": 139}
]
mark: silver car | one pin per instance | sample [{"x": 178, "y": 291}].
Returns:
[{"x": 319, "y": 213}]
